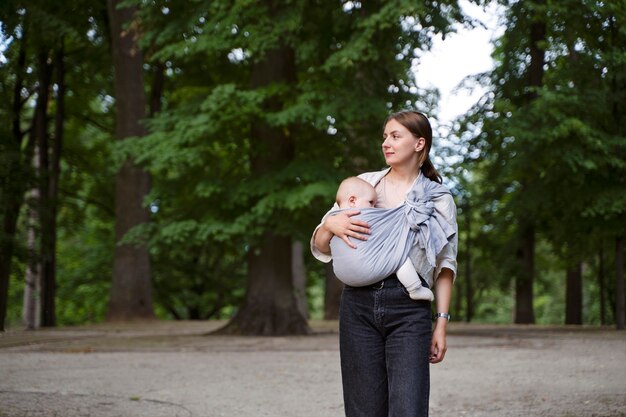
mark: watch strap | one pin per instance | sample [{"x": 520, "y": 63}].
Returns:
[{"x": 444, "y": 315}]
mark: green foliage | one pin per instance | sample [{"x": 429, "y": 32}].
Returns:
[
  {"x": 16, "y": 297},
  {"x": 210, "y": 206},
  {"x": 554, "y": 155},
  {"x": 558, "y": 159}
]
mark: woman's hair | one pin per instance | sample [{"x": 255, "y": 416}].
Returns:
[{"x": 419, "y": 126}]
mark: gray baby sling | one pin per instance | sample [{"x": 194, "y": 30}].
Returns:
[{"x": 393, "y": 232}]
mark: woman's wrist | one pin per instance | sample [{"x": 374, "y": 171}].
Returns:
[
  {"x": 441, "y": 322},
  {"x": 443, "y": 316},
  {"x": 322, "y": 238}
]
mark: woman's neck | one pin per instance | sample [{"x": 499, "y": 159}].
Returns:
[{"x": 403, "y": 175}]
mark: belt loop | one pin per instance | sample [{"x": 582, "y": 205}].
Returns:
[{"x": 382, "y": 284}]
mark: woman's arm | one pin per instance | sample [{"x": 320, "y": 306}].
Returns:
[
  {"x": 321, "y": 239},
  {"x": 341, "y": 225},
  {"x": 443, "y": 294}
]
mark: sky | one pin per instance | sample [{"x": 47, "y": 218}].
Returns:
[{"x": 464, "y": 53}]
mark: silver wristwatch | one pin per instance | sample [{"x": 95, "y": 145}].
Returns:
[{"x": 444, "y": 315}]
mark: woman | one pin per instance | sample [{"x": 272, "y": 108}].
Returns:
[{"x": 386, "y": 339}]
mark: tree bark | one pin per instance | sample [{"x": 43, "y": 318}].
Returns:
[
  {"x": 156, "y": 93},
  {"x": 601, "y": 289},
  {"x": 299, "y": 277},
  {"x": 31, "y": 309},
  {"x": 332, "y": 294},
  {"x": 9, "y": 227},
  {"x": 40, "y": 130},
  {"x": 19, "y": 162},
  {"x": 617, "y": 111},
  {"x": 50, "y": 170},
  {"x": 469, "y": 293},
  {"x": 524, "y": 312},
  {"x": 459, "y": 296},
  {"x": 537, "y": 56},
  {"x": 131, "y": 289},
  {"x": 270, "y": 306},
  {"x": 574, "y": 294},
  {"x": 619, "y": 283}
]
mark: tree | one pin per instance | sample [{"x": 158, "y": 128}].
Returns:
[
  {"x": 39, "y": 24},
  {"x": 267, "y": 118},
  {"x": 549, "y": 161},
  {"x": 519, "y": 74},
  {"x": 332, "y": 293},
  {"x": 131, "y": 291},
  {"x": 15, "y": 157}
]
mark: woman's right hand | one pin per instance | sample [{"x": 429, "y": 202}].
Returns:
[{"x": 343, "y": 225}]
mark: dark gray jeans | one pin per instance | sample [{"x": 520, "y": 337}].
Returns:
[{"x": 384, "y": 339}]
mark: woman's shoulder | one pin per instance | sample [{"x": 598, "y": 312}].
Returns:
[
  {"x": 445, "y": 205},
  {"x": 374, "y": 176}
]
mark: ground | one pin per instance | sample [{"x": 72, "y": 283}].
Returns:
[{"x": 175, "y": 369}]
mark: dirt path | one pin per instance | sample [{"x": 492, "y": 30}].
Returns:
[{"x": 173, "y": 369}]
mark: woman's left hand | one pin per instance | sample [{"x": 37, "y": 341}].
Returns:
[{"x": 438, "y": 344}]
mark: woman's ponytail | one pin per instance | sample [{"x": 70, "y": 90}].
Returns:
[{"x": 429, "y": 171}]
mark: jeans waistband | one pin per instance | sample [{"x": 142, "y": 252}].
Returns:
[{"x": 390, "y": 281}]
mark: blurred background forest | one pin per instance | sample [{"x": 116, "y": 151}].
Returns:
[{"x": 170, "y": 159}]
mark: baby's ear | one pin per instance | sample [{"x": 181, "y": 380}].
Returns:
[{"x": 352, "y": 201}]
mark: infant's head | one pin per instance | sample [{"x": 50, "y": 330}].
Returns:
[{"x": 354, "y": 192}]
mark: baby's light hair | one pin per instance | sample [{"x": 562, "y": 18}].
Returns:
[{"x": 352, "y": 186}]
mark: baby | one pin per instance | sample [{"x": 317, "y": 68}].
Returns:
[{"x": 355, "y": 193}]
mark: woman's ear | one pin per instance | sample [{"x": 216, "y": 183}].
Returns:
[
  {"x": 352, "y": 201},
  {"x": 421, "y": 143}
]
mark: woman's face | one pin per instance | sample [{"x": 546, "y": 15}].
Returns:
[{"x": 400, "y": 147}]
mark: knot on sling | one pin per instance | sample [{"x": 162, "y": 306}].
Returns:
[
  {"x": 432, "y": 231},
  {"x": 417, "y": 210}
]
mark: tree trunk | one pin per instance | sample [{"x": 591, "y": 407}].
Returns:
[
  {"x": 270, "y": 306},
  {"x": 458, "y": 302},
  {"x": 131, "y": 289},
  {"x": 332, "y": 294},
  {"x": 574, "y": 294},
  {"x": 537, "y": 56},
  {"x": 619, "y": 283},
  {"x": 524, "y": 313},
  {"x": 40, "y": 130},
  {"x": 469, "y": 294},
  {"x": 601, "y": 285},
  {"x": 299, "y": 277},
  {"x": 614, "y": 30},
  {"x": 31, "y": 309},
  {"x": 50, "y": 170},
  {"x": 9, "y": 227},
  {"x": 12, "y": 196},
  {"x": 156, "y": 93}
]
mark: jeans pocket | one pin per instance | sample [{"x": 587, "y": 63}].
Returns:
[{"x": 405, "y": 291}]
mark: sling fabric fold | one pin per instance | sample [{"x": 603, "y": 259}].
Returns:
[{"x": 392, "y": 234}]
